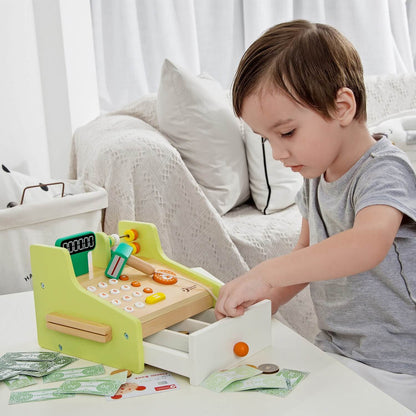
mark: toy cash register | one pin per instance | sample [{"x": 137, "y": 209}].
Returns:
[{"x": 120, "y": 301}]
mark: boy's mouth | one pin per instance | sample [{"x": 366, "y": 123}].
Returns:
[{"x": 296, "y": 168}]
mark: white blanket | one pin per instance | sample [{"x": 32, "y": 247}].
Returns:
[{"x": 146, "y": 180}]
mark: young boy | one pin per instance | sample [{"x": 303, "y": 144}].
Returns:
[{"x": 300, "y": 85}]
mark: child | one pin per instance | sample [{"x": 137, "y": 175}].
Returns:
[{"x": 300, "y": 85}]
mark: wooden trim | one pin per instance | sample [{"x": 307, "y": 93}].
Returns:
[{"x": 81, "y": 328}]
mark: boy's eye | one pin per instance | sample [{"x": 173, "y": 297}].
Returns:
[{"x": 288, "y": 134}]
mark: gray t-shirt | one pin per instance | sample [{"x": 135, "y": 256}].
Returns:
[{"x": 371, "y": 316}]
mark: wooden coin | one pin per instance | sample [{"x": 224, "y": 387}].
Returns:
[
  {"x": 268, "y": 368},
  {"x": 120, "y": 371}
]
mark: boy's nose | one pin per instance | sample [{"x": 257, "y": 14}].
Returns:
[{"x": 279, "y": 153}]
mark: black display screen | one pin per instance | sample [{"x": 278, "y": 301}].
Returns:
[{"x": 78, "y": 243}]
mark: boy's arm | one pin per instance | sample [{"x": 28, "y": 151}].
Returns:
[
  {"x": 281, "y": 295},
  {"x": 347, "y": 253}
]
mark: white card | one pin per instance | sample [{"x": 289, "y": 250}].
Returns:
[{"x": 143, "y": 385}]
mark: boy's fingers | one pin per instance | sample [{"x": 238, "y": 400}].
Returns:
[{"x": 219, "y": 315}]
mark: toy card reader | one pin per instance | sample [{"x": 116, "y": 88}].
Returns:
[
  {"x": 119, "y": 258},
  {"x": 78, "y": 245}
]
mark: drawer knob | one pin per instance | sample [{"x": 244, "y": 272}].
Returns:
[{"x": 241, "y": 349}]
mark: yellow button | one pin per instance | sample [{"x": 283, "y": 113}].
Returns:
[{"x": 156, "y": 297}]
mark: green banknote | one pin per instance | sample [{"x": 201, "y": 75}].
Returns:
[
  {"x": 102, "y": 386},
  {"x": 70, "y": 373},
  {"x": 271, "y": 381},
  {"x": 219, "y": 380},
  {"x": 36, "y": 395},
  {"x": 293, "y": 378},
  {"x": 19, "y": 381}
]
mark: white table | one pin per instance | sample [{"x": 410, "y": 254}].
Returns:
[{"x": 330, "y": 388}]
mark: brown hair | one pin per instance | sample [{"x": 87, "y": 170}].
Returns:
[{"x": 309, "y": 62}]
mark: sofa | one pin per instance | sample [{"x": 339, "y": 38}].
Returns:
[{"x": 149, "y": 156}]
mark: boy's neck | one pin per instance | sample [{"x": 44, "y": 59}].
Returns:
[{"x": 356, "y": 141}]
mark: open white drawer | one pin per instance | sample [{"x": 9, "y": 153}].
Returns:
[{"x": 209, "y": 345}]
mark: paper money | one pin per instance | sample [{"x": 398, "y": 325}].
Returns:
[
  {"x": 6, "y": 373},
  {"x": 35, "y": 364},
  {"x": 272, "y": 381},
  {"x": 20, "y": 381},
  {"x": 293, "y": 378},
  {"x": 29, "y": 356},
  {"x": 101, "y": 386},
  {"x": 36, "y": 395},
  {"x": 219, "y": 380},
  {"x": 59, "y": 363},
  {"x": 71, "y": 373}
]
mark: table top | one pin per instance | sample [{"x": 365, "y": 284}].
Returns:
[{"x": 329, "y": 389}]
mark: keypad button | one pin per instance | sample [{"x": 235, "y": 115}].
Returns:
[{"x": 156, "y": 297}]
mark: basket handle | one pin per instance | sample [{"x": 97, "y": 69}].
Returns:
[{"x": 39, "y": 186}]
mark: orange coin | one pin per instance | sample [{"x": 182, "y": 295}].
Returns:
[
  {"x": 166, "y": 271},
  {"x": 165, "y": 277},
  {"x": 123, "y": 277},
  {"x": 241, "y": 349},
  {"x": 135, "y": 283},
  {"x": 148, "y": 290}
]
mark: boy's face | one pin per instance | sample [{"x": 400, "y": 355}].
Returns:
[{"x": 300, "y": 138}]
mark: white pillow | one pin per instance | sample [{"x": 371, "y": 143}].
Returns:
[
  {"x": 400, "y": 129},
  {"x": 273, "y": 186},
  {"x": 197, "y": 118}
]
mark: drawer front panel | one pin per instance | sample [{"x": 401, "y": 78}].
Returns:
[{"x": 211, "y": 348}]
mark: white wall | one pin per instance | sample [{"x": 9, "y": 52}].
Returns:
[{"x": 47, "y": 82}]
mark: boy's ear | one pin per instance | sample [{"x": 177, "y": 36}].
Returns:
[{"x": 345, "y": 106}]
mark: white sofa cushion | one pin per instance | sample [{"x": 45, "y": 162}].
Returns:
[
  {"x": 273, "y": 186},
  {"x": 196, "y": 116}
]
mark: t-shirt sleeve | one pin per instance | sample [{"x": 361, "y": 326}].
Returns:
[{"x": 388, "y": 180}]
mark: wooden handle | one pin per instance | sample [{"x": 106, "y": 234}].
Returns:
[
  {"x": 141, "y": 265},
  {"x": 77, "y": 327}
]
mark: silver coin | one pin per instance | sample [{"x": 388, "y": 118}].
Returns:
[{"x": 268, "y": 368}]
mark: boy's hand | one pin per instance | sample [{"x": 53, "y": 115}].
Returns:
[{"x": 240, "y": 293}]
